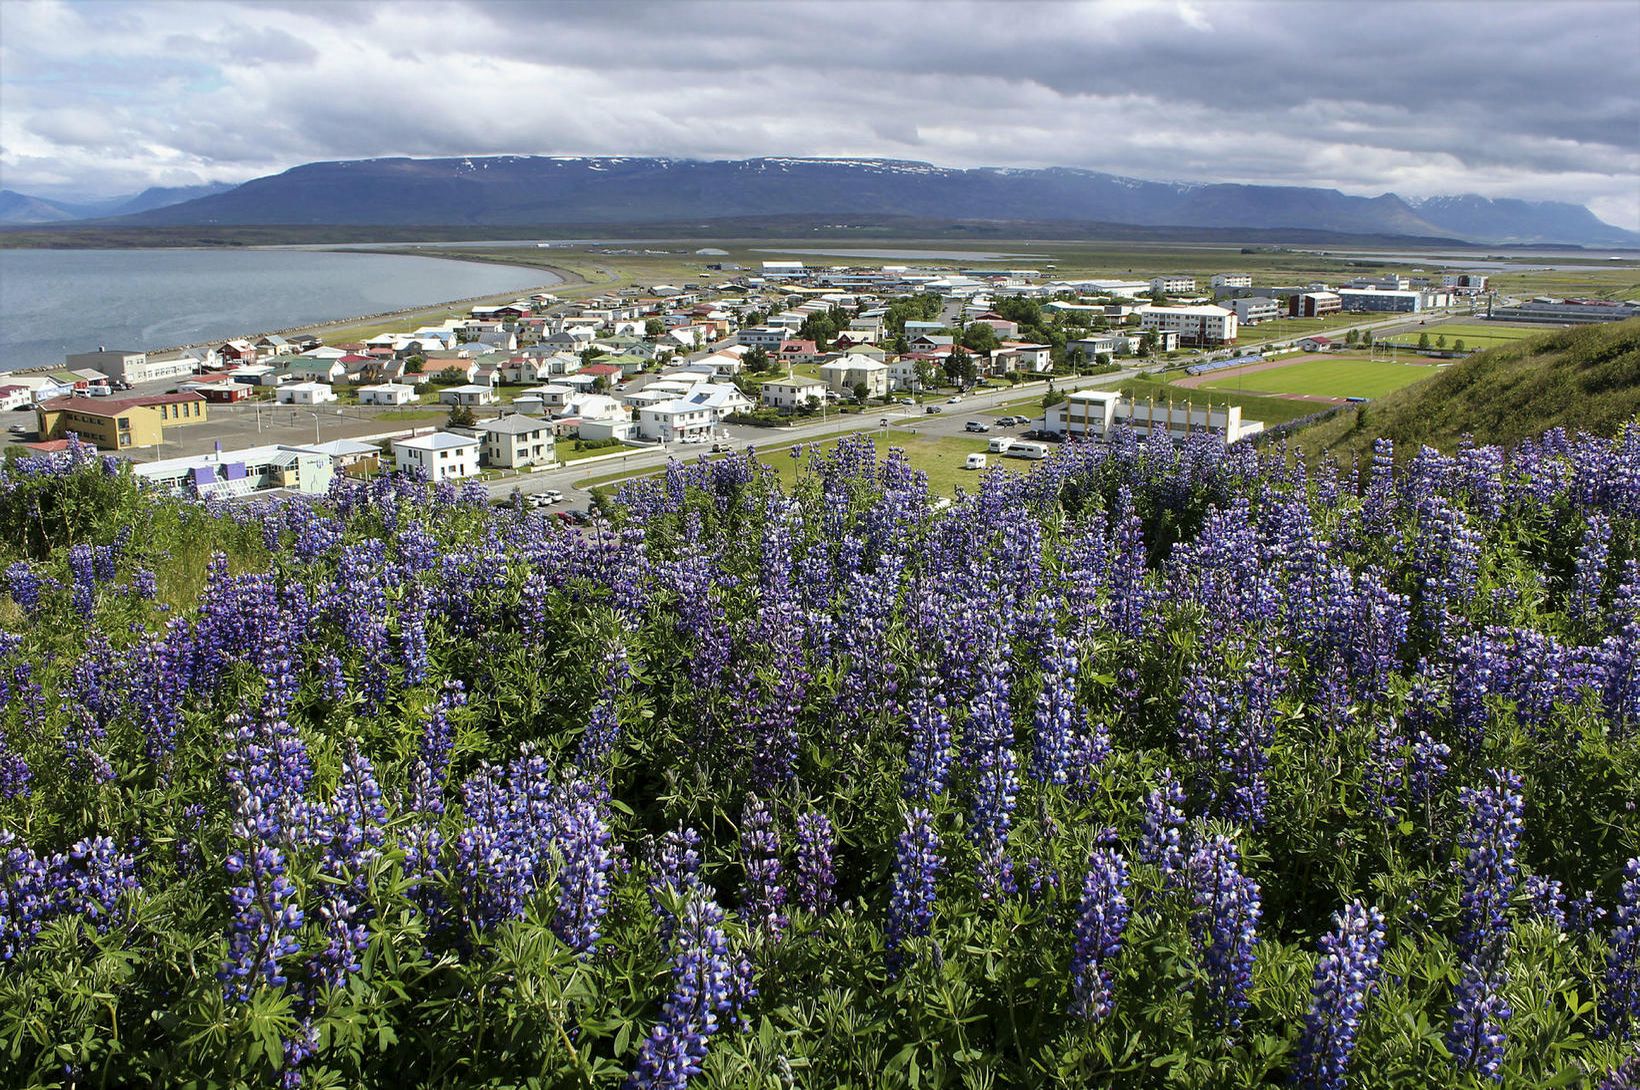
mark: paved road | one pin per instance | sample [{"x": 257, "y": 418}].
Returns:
[{"x": 950, "y": 421}]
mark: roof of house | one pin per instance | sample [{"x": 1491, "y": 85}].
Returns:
[
  {"x": 114, "y": 406},
  {"x": 438, "y": 440},
  {"x": 516, "y": 424},
  {"x": 340, "y": 447},
  {"x": 797, "y": 346}
]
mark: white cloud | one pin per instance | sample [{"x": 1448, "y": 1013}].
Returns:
[{"x": 1518, "y": 99}]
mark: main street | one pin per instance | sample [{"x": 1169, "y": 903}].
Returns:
[{"x": 951, "y": 420}]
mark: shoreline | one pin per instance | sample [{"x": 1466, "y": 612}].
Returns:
[{"x": 565, "y": 279}]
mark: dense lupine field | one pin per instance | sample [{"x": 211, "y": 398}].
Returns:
[{"x": 1162, "y": 766}]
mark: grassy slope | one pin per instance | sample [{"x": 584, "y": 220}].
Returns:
[{"x": 1585, "y": 379}]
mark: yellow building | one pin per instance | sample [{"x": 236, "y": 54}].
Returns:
[{"x": 119, "y": 423}]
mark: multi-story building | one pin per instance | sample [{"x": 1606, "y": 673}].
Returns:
[
  {"x": 1380, "y": 300},
  {"x": 1092, "y": 414},
  {"x": 1231, "y": 280},
  {"x": 131, "y": 367},
  {"x": 1172, "y": 285},
  {"x": 669, "y": 421},
  {"x": 1254, "y": 309},
  {"x": 516, "y": 441},
  {"x": 1465, "y": 283},
  {"x": 441, "y": 456},
  {"x": 119, "y": 423},
  {"x": 1313, "y": 304},
  {"x": 846, "y": 374},
  {"x": 1197, "y": 325}
]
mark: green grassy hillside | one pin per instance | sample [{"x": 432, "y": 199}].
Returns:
[{"x": 1586, "y": 378}]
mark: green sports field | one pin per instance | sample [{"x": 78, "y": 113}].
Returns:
[
  {"x": 1354, "y": 376},
  {"x": 1473, "y": 335}
]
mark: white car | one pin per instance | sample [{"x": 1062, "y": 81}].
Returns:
[{"x": 954, "y": 399}]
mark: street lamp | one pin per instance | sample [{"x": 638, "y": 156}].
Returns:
[{"x": 315, "y": 428}]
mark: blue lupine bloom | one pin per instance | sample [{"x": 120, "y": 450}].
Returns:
[
  {"x": 1344, "y": 980},
  {"x": 916, "y": 867},
  {"x": 1100, "y": 921}
]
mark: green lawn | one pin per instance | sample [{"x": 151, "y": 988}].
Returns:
[
  {"x": 1353, "y": 376},
  {"x": 1486, "y": 335},
  {"x": 1271, "y": 410}
]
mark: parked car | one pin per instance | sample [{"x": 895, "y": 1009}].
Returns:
[{"x": 975, "y": 425}]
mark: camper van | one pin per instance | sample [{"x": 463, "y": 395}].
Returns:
[
  {"x": 975, "y": 461},
  {"x": 1034, "y": 451},
  {"x": 1001, "y": 443}
]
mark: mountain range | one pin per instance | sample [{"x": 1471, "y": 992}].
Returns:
[
  {"x": 20, "y": 208},
  {"x": 534, "y": 191}
]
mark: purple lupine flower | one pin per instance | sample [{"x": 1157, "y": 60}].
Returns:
[
  {"x": 1099, "y": 926},
  {"x": 1589, "y": 575},
  {"x": 1620, "y": 1005},
  {"x": 1160, "y": 842},
  {"x": 1224, "y": 925},
  {"x": 1344, "y": 980},
  {"x": 1479, "y": 1012},
  {"x": 87, "y": 883},
  {"x": 762, "y": 895},
  {"x": 816, "y": 843},
  {"x": 989, "y": 749},
  {"x": 352, "y": 837},
  {"x": 916, "y": 867},
  {"x": 1059, "y": 724},
  {"x": 25, "y": 585},
  {"x": 1489, "y": 871},
  {"x": 928, "y": 759},
  {"x": 583, "y": 877},
  {"x": 1625, "y": 1076},
  {"x": 1547, "y": 898},
  {"x": 703, "y": 991},
  {"x": 1489, "y": 874},
  {"x": 266, "y": 920}
]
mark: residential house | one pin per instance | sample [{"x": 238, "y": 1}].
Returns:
[
  {"x": 1229, "y": 280},
  {"x": 14, "y": 397},
  {"x": 1031, "y": 359},
  {"x": 1253, "y": 309},
  {"x": 787, "y": 394},
  {"x": 351, "y": 457},
  {"x": 470, "y": 395},
  {"x": 1172, "y": 285},
  {"x": 670, "y": 421},
  {"x": 844, "y": 375},
  {"x": 305, "y": 393},
  {"x": 217, "y": 389},
  {"x": 119, "y": 423},
  {"x": 441, "y": 456},
  {"x": 305, "y": 370},
  {"x": 1003, "y": 327},
  {"x": 516, "y": 441},
  {"x": 386, "y": 393},
  {"x": 1316, "y": 344},
  {"x": 932, "y": 342}
]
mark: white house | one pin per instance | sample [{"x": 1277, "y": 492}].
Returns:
[
  {"x": 791, "y": 393},
  {"x": 764, "y": 337},
  {"x": 386, "y": 393},
  {"x": 516, "y": 441},
  {"x": 1033, "y": 359},
  {"x": 471, "y": 395},
  {"x": 1229, "y": 280},
  {"x": 844, "y": 374},
  {"x": 1254, "y": 309},
  {"x": 1172, "y": 285},
  {"x": 441, "y": 456},
  {"x": 670, "y": 421},
  {"x": 305, "y": 393}
]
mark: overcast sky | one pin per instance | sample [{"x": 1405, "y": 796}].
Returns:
[{"x": 1536, "y": 100}]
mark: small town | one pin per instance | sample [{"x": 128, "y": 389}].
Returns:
[{"x": 675, "y": 367}]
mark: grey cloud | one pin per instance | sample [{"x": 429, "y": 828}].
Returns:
[{"x": 1516, "y": 99}]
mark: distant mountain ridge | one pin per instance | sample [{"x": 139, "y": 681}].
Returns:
[
  {"x": 523, "y": 191},
  {"x": 21, "y": 208}
]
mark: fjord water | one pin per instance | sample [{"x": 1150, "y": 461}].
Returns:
[{"x": 53, "y": 302}]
